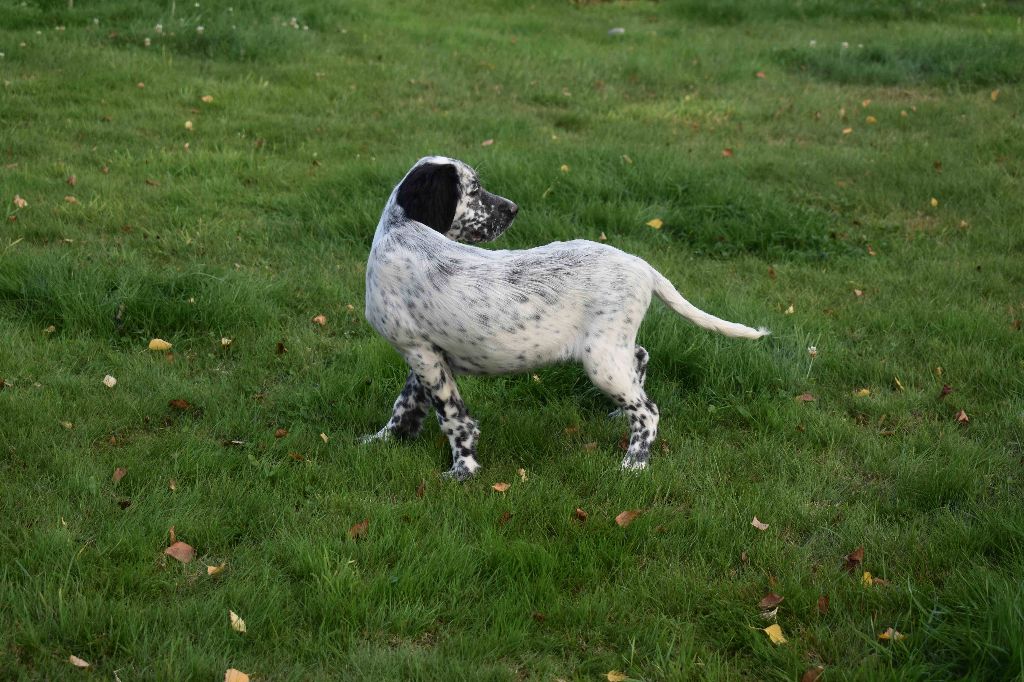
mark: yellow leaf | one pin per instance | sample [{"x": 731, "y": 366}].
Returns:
[
  {"x": 616, "y": 676},
  {"x": 934, "y": 202},
  {"x": 188, "y": 125},
  {"x": 159, "y": 344},
  {"x": 789, "y": 311},
  {"x": 214, "y": 570},
  {"x": 774, "y": 633},
  {"x": 237, "y": 624},
  {"x": 863, "y": 392},
  {"x": 564, "y": 168},
  {"x": 994, "y": 95},
  {"x": 847, "y": 131},
  {"x": 866, "y": 579},
  {"x": 871, "y": 120},
  {"x": 655, "y": 223},
  {"x": 891, "y": 634},
  {"x": 207, "y": 98},
  {"x": 627, "y": 517},
  {"x": 232, "y": 675}
]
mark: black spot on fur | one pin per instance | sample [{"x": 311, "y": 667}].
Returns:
[{"x": 429, "y": 194}]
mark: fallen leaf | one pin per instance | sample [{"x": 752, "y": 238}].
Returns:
[
  {"x": 225, "y": 342},
  {"x": 105, "y": 170},
  {"x": 580, "y": 515},
  {"x": 770, "y": 614},
  {"x": 140, "y": 85},
  {"x": 727, "y": 152},
  {"x": 891, "y": 634},
  {"x": 421, "y": 488},
  {"x": 214, "y": 570},
  {"x": 744, "y": 557},
  {"x": 152, "y": 183},
  {"x": 774, "y": 633},
  {"x": 70, "y": 198},
  {"x": 937, "y": 165},
  {"x": 871, "y": 251},
  {"x": 522, "y": 474},
  {"x": 655, "y": 223},
  {"x": 109, "y": 381},
  {"x": 19, "y": 202},
  {"x": 172, "y": 485},
  {"x": 789, "y": 311},
  {"x": 863, "y": 392},
  {"x": 961, "y": 417},
  {"x": 615, "y": 676},
  {"x": 296, "y": 456},
  {"x": 897, "y": 384},
  {"x": 759, "y": 74},
  {"x": 994, "y": 95},
  {"x": 760, "y": 525},
  {"x": 179, "y": 404},
  {"x": 503, "y": 519},
  {"x": 946, "y": 390},
  {"x": 232, "y": 675},
  {"x": 487, "y": 143},
  {"x": 72, "y": 180},
  {"x": 538, "y": 616},
  {"x": 564, "y": 168},
  {"x": 589, "y": 447},
  {"x": 237, "y": 624},
  {"x": 50, "y": 330},
  {"x": 805, "y": 398},
  {"x": 879, "y": 582},
  {"x": 500, "y": 487},
  {"x": 847, "y": 131},
  {"x": 627, "y": 159},
  {"x": 627, "y": 517},
  {"x": 320, "y": 320},
  {"x": 323, "y": 437},
  {"x": 188, "y": 125},
  {"x": 934, "y": 202},
  {"x": 853, "y": 559},
  {"x": 280, "y": 433},
  {"x": 871, "y": 120},
  {"x": 181, "y": 551},
  {"x": 67, "y": 425},
  {"x": 823, "y": 602},
  {"x": 119, "y": 473},
  {"x": 602, "y": 237},
  {"x": 77, "y": 662},
  {"x": 207, "y": 98},
  {"x": 770, "y": 601},
  {"x": 159, "y": 344},
  {"x": 359, "y": 529},
  {"x": 865, "y": 580},
  {"x": 858, "y": 293},
  {"x": 771, "y": 272},
  {"x": 812, "y": 674}
]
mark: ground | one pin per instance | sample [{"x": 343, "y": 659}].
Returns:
[{"x": 846, "y": 174}]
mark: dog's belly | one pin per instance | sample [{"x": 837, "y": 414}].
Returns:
[{"x": 507, "y": 353}]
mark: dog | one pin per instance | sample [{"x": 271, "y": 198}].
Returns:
[{"x": 452, "y": 308}]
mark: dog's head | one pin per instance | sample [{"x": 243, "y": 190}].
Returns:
[{"x": 445, "y": 194}]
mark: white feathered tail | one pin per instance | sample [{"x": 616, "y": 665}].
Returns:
[{"x": 674, "y": 300}]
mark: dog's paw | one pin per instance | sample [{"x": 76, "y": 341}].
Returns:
[
  {"x": 382, "y": 435},
  {"x": 462, "y": 470},
  {"x": 630, "y": 463}
]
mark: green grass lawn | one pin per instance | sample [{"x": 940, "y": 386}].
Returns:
[{"x": 848, "y": 174}]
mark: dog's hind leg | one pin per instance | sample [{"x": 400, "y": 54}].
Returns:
[
  {"x": 435, "y": 376},
  {"x": 641, "y": 356},
  {"x": 411, "y": 407},
  {"x": 615, "y": 373}
]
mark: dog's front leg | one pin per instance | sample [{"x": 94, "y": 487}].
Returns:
[
  {"x": 407, "y": 415},
  {"x": 433, "y": 373}
]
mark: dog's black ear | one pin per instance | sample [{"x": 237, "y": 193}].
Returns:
[{"x": 429, "y": 194}]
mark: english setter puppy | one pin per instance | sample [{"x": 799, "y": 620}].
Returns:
[{"x": 450, "y": 308}]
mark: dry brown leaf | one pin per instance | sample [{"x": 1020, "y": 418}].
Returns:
[
  {"x": 961, "y": 417},
  {"x": 181, "y": 551},
  {"x": 70, "y": 198},
  {"x": 853, "y": 559},
  {"x": 744, "y": 557},
  {"x": 237, "y": 624},
  {"x": 421, "y": 488},
  {"x": 823, "y": 603},
  {"x": 727, "y": 152},
  {"x": 758, "y": 524},
  {"x": 214, "y": 570},
  {"x": 656, "y": 223},
  {"x": 171, "y": 535},
  {"x": 232, "y": 675},
  {"x": 871, "y": 251},
  {"x": 590, "y": 446},
  {"x": 359, "y": 529},
  {"x": 172, "y": 485},
  {"x": 280, "y": 433},
  {"x": 504, "y": 518},
  {"x": 580, "y": 515},
  {"x": 847, "y": 131},
  {"x": 994, "y": 95},
  {"x": 522, "y": 474},
  {"x": 281, "y": 350},
  {"x": 225, "y": 342},
  {"x": 774, "y": 633},
  {"x": 805, "y": 398},
  {"x": 616, "y": 676},
  {"x": 487, "y": 143},
  {"x": 858, "y": 293},
  {"x": 19, "y": 202},
  {"x": 891, "y": 634},
  {"x": 627, "y": 517},
  {"x": 159, "y": 344},
  {"x": 119, "y": 473},
  {"x": 770, "y": 601},
  {"x": 152, "y": 183},
  {"x": 946, "y": 390},
  {"x": 320, "y": 320},
  {"x": 323, "y": 437},
  {"x": 871, "y": 120},
  {"x": 863, "y": 392},
  {"x": 72, "y": 180},
  {"x": 179, "y": 404},
  {"x": 77, "y": 662},
  {"x": 500, "y": 487},
  {"x": 207, "y": 98},
  {"x": 296, "y": 456}
]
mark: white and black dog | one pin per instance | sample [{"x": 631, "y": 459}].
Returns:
[{"x": 452, "y": 308}]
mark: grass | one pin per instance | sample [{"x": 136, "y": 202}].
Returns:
[{"x": 265, "y": 220}]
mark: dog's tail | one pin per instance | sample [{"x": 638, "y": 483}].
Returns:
[{"x": 674, "y": 300}]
